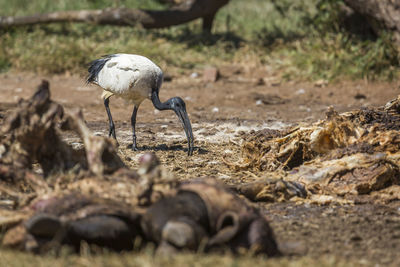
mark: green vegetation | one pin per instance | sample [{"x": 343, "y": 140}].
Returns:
[{"x": 298, "y": 39}]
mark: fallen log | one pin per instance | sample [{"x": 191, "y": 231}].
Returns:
[{"x": 148, "y": 19}]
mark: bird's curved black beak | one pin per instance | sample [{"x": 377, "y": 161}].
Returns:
[{"x": 184, "y": 118}]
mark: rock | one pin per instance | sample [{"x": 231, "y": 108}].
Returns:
[
  {"x": 301, "y": 91},
  {"x": 321, "y": 83},
  {"x": 271, "y": 81},
  {"x": 360, "y": 96},
  {"x": 194, "y": 75},
  {"x": 210, "y": 74},
  {"x": 269, "y": 99},
  {"x": 167, "y": 77},
  {"x": 260, "y": 81}
]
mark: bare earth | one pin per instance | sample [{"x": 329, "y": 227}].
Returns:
[{"x": 221, "y": 112}]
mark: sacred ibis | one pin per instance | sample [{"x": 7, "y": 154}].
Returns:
[{"x": 135, "y": 78}]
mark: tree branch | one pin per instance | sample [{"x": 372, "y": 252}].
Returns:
[
  {"x": 385, "y": 12},
  {"x": 148, "y": 19}
]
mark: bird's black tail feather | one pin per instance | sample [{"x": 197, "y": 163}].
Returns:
[{"x": 95, "y": 67}]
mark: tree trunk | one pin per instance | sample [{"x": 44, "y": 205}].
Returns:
[
  {"x": 382, "y": 13},
  {"x": 187, "y": 11}
]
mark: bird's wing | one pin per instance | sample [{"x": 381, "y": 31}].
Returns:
[{"x": 118, "y": 75}]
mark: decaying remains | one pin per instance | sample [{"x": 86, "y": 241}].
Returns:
[
  {"x": 347, "y": 154},
  {"x": 90, "y": 196},
  {"x": 204, "y": 213},
  {"x": 52, "y": 194}
]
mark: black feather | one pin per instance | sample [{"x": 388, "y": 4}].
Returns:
[{"x": 96, "y": 66}]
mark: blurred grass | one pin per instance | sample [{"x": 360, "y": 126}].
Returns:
[
  {"x": 19, "y": 259},
  {"x": 294, "y": 42}
]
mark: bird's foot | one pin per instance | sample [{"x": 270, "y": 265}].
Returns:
[
  {"x": 111, "y": 132},
  {"x": 135, "y": 148},
  {"x": 190, "y": 151}
]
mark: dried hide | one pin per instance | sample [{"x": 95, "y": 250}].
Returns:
[
  {"x": 272, "y": 190},
  {"x": 198, "y": 214},
  {"x": 30, "y": 135},
  {"x": 72, "y": 218},
  {"x": 142, "y": 188},
  {"x": 359, "y": 173},
  {"x": 351, "y": 153},
  {"x": 204, "y": 213}
]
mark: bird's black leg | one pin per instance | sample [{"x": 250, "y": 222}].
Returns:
[
  {"x": 110, "y": 119},
  {"x": 133, "y": 123}
]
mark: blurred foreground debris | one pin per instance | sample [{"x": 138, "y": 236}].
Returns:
[
  {"x": 345, "y": 155},
  {"x": 30, "y": 136},
  {"x": 199, "y": 215},
  {"x": 91, "y": 197},
  {"x": 204, "y": 213}
]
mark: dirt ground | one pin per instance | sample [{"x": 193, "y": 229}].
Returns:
[{"x": 221, "y": 112}]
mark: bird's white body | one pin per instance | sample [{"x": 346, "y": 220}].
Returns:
[{"x": 131, "y": 77}]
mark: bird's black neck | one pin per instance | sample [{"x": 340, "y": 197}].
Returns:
[{"x": 156, "y": 101}]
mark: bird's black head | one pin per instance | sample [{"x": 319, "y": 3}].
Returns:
[{"x": 176, "y": 104}]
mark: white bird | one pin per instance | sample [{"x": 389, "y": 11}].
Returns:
[{"x": 135, "y": 78}]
